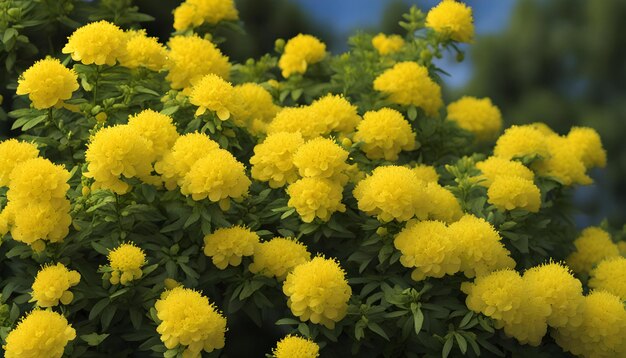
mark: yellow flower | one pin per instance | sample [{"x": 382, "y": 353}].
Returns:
[
  {"x": 520, "y": 141},
  {"x": 252, "y": 107},
  {"x": 335, "y": 113},
  {"x": 407, "y": 83},
  {"x": 226, "y": 246},
  {"x": 478, "y": 116},
  {"x": 610, "y": 276},
  {"x": 318, "y": 291},
  {"x": 273, "y": 159},
  {"x": 212, "y": 93},
  {"x": 193, "y": 13},
  {"x": 452, "y": 19},
  {"x": 392, "y": 192},
  {"x": 315, "y": 197},
  {"x": 37, "y": 180},
  {"x": 99, "y": 43},
  {"x": 218, "y": 176},
  {"x": 386, "y": 45},
  {"x": 602, "y": 331},
  {"x": 321, "y": 158},
  {"x": 554, "y": 284},
  {"x": 513, "y": 192},
  {"x": 443, "y": 204},
  {"x": 39, "y": 334},
  {"x": 12, "y": 153},
  {"x": 126, "y": 261},
  {"x": 143, "y": 51},
  {"x": 586, "y": 142},
  {"x": 297, "y": 119},
  {"x": 426, "y": 173},
  {"x": 4, "y": 222},
  {"x": 47, "y": 83},
  {"x": 493, "y": 167},
  {"x": 185, "y": 152},
  {"x": 563, "y": 162},
  {"x": 188, "y": 319},
  {"x": 384, "y": 133},
  {"x": 481, "y": 249},
  {"x": 427, "y": 247},
  {"x": 191, "y": 58},
  {"x": 296, "y": 347},
  {"x": 592, "y": 246},
  {"x": 157, "y": 128},
  {"x": 277, "y": 257},
  {"x": 52, "y": 285},
  {"x": 300, "y": 52},
  {"x": 119, "y": 151},
  {"x": 186, "y": 15},
  {"x": 36, "y": 222}
]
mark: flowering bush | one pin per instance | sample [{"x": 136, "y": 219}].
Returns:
[{"x": 160, "y": 200}]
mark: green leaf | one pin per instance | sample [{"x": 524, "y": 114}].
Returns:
[
  {"x": 447, "y": 347},
  {"x": 418, "y": 320},
  {"x": 284, "y": 321},
  {"x": 374, "y": 327},
  {"x": 98, "y": 307},
  {"x": 461, "y": 342},
  {"x": 94, "y": 339}
]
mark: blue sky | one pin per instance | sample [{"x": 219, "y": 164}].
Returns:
[{"x": 343, "y": 17}]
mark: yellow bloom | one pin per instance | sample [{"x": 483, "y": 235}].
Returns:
[
  {"x": 563, "y": 162},
  {"x": 481, "y": 249},
  {"x": 212, "y": 93},
  {"x": 185, "y": 152},
  {"x": 512, "y": 192},
  {"x": 386, "y": 45},
  {"x": 392, "y": 192},
  {"x": 277, "y": 257},
  {"x": 188, "y": 319},
  {"x": 296, "y": 347},
  {"x": 193, "y": 13},
  {"x": 143, "y": 51},
  {"x": 452, "y": 19},
  {"x": 443, "y": 204},
  {"x": 191, "y": 58},
  {"x": 384, "y": 133},
  {"x": 592, "y": 246},
  {"x": 321, "y": 158},
  {"x": 47, "y": 83},
  {"x": 610, "y": 276},
  {"x": 218, "y": 176},
  {"x": 318, "y": 291},
  {"x": 119, "y": 151},
  {"x": 157, "y": 128},
  {"x": 252, "y": 107},
  {"x": 186, "y": 15},
  {"x": 407, "y": 83},
  {"x": 273, "y": 159},
  {"x": 300, "y": 52},
  {"x": 226, "y": 246},
  {"x": 37, "y": 180},
  {"x": 520, "y": 141},
  {"x": 297, "y": 119},
  {"x": 36, "y": 222},
  {"x": 52, "y": 285},
  {"x": 588, "y": 145},
  {"x": 99, "y": 43},
  {"x": 426, "y": 173},
  {"x": 315, "y": 197},
  {"x": 126, "y": 261},
  {"x": 478, "y": 116},
  {"x": 493, "y": 167},
  {"x": 427, "y": 247},
  {"x": 39, "y": 334},
  {"x": 12, "y": 153},
  {"x": 335, "y": 113},
  {"x": 602, "y": 331}
]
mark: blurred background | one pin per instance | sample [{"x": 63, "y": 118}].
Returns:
[{"x": 562, "y": 62}]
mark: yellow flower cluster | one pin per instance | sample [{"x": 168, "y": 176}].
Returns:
[
  {"x": 157, "y": 128},
  {"x": 452, "y": 19},
  {"x": 318, "y": 291},
  {"x": 193, "y": 13},
  {"x": 277, "y": 257},
  {"x": 52, "y": 285},
  {"x": 47, "y": 83},
  {"x": 478, "y": 116},
  {"x": 592, "y": 246},
  {"x": 321, "y": 158},
  {"x": 384, "y": 133},
  {"x": 297, "y": 119},
  {"x": 296, "y": 347},
  {"x": 191, "y": 58},
  {"x": 443, "y": 204},
  {"x": 426, "y": 173},
  {"x": 252, "y": 108},
  {"x": 37, "y": 208},
  {"x": 12, "y": 153},
  {"x": 610, "y": 276},
  {"x": 513, "y": 192},
  {"x": 143, "y": 51},
  {"x": 227, "y": 246},
  {"x": 126, "y": 262},
  {"x": 39, "y": 334},
  {"x": 273, "y": 159},
  {"x": 100, "y": 43},
  {"x": 493, "y": 167},
  {"x": 408, "y": 84},
  {"x": 300, "y": 52},
  {"x": 315, "y": 197},
  {"x": 212, "y": 93},
  {"x": 189, "y": 320},
  {"x": 386, "y": 45}
]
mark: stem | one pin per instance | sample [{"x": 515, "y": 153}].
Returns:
[
  {"x": 119, "y": 216},
  {"x": 95, "y": 87},
  {"x": 63, "y": 132}
]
